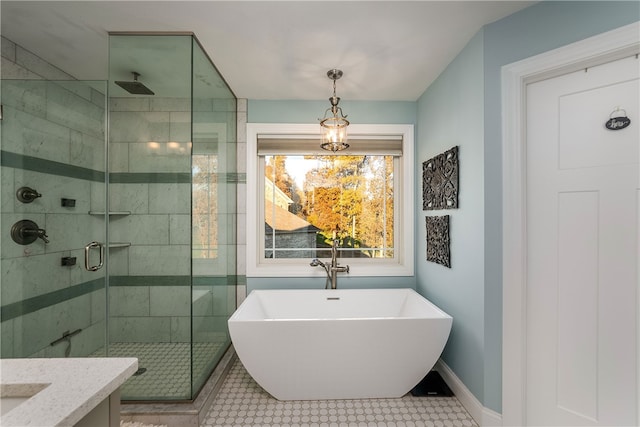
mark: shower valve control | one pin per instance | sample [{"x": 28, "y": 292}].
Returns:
[
  {"x": 27, "y": 195},
  {"x": 25, "y": 232}
]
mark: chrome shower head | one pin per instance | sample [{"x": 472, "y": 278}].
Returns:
[
  {"x": 135, "y": 87},
  {"x": 316, "y": 262}
]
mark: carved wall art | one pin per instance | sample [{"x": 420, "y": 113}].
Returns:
[
  {"x": 438, "y": 240},
  {"x": 440, "y": 181}
]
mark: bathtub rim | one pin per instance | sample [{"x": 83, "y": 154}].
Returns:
[{"x": 410, "y": 293}]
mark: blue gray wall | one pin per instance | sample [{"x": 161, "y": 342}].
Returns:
[
  {"x": 361, "y": 112},
  {"x": 450, "y": 114},
  {"x": 474, "y": 351}
]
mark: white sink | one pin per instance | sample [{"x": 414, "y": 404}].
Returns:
[
  {"x": 8, "y": 403},
  {"x": 13, "y": 395}
]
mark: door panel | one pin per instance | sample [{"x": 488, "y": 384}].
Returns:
[
  {"x": 582, "y": 145},
  {"x": 577, "y": 310},
  {"x": 582, "y": 260}
]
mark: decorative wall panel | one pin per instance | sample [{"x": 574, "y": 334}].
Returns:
[
  {"x": 440, "y": 181},
  {"x": 438, "y": 240}
]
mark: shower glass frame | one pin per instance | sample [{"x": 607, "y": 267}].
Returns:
[{"x": 177, "y": 150}]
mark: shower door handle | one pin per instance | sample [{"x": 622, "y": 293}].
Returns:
[{"x": 87, "y": 254}]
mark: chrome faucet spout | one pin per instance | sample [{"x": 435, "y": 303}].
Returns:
[
  {"x": 332, "y": 269},
  {"x": 335, "y": 267},
  {"x": 334, "y": 253}
]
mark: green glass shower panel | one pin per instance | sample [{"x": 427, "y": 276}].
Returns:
[
  {"x": 172, "y": 212},
  {"x": 213, "y": 219},
  {"x": 150, "y": 207}
]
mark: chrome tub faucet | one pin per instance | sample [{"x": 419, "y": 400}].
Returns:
[{"x": 332, "y": 269}]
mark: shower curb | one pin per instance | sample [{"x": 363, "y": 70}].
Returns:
[{"x": 177, "y": 414}]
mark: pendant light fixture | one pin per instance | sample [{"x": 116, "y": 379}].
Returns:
[{"x": 333, "y": 127}]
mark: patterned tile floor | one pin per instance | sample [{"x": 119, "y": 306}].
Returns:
[
  {"x": 168, "y": 371},
  {"x": 241, "y": 402}
]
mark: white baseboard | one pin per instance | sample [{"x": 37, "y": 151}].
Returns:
[
  {"x": 485, "y": 417},
  {"x": 491, "y": 418}
]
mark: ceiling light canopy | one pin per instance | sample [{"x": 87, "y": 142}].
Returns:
[{"x": 333, "y": 126}]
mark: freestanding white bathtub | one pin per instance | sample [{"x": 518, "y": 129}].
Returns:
[{"x": 338, "y": 344}]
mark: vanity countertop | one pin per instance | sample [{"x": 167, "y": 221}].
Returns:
[{"x": 65, "y": 389}]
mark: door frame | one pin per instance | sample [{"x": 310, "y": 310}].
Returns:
[{"x": 616, "y": 44}]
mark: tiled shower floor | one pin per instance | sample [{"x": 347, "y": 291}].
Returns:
[
  {"x": 241, "y": 402},
  {"x": 168, "y": 371}
]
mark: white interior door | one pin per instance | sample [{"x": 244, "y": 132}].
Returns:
[{"x": 582, "y": 248}]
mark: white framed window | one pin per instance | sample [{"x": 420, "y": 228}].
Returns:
[{"x": 300, "y": 197}]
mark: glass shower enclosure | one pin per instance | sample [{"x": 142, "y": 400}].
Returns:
[{"x": 127, "y": 247}]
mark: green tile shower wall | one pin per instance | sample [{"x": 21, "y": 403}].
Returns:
[
  {"x": 49, "y": 143},
  {"x": 53, "y": 141},
  {"x": 143, "y": 313},
  {"x": 151, "y": 135},
  {"x": 29, "y": 326},
  {"x": 142, "y": 309},
  {"x": 140, "y": 131},
  {"x": 32, "y": 163}
]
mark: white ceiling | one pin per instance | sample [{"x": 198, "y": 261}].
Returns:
[{"x": 388, "y": 50}]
